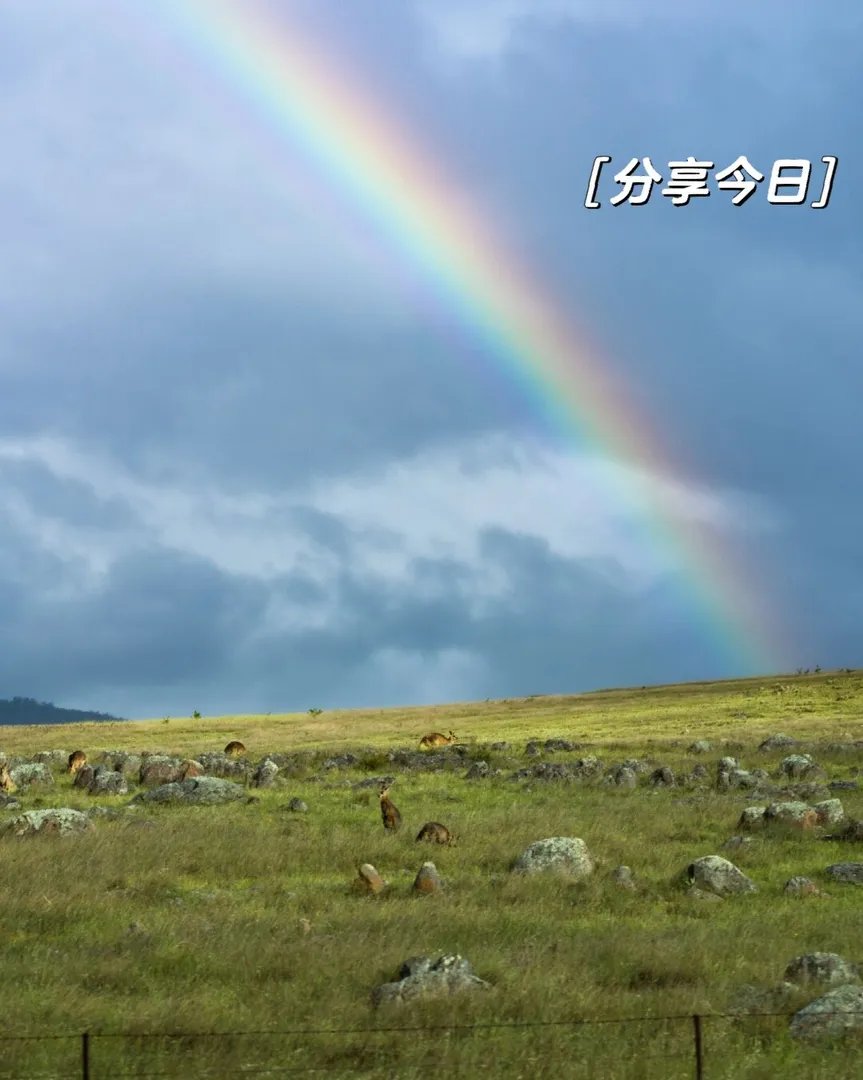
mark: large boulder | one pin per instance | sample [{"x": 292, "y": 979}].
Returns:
[
  {"x": 562, "y": 854},
  {"x": 196, "y": 791},
  {"x": 712, "y": 873},
  {"x": 58, "y": 821},
  {"x": 838, "y": 1012},
  {"x": 25, "y": 775}
]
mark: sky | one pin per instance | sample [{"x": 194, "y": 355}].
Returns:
[{"x": 252, "y": 459}]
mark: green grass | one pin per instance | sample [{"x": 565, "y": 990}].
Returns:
[{"x": 221, "y": 894}]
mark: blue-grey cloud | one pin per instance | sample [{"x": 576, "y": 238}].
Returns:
[{"x": 238, "y": 426}]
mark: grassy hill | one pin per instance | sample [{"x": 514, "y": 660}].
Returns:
[{"x": 243, "y": 917}]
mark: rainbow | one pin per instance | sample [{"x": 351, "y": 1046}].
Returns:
[{"x": 357, "y": 147}]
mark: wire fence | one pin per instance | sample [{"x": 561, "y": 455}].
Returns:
[{"x": 714, "y": 1046}]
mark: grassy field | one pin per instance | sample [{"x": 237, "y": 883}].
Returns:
[{"x": 245, "y": 919}]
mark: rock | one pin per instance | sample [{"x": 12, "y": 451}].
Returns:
[
  {"x": 196, "y": 791},
  {"x": 52, "y": 758},
  {"x": 60, "y": 821},
  {"x": 298, "y": 806},
  {"x": 446, "y": 976},
  {"x": 851, "y": 829},
  {"x": 84, "y": 777},
  {"x": 700, "y": 746},
  {"x": 623, "y": 877},
  {"x": 107, "y": 783},
  {"x": 752, "y": 818},
  {"x": 532, "y": 749},
  {"x": 662, "y": 777},
  {"x": 735, "y": 842},
  {"x": 714, "y": 874},
  {"x": 552, "y": 746},
  {"x": 795, "y": 765},
  {"x": 838, "y": 1012},
  {"x": 796, "y": 814},
  {"x": 428, "y": 879},
  {"x": 802, "y": 886},
  {"x": 777, "y": 742},
  {"x": 265, "y": 774},
  {"x": 218, "y": 764},
  {"x": 480, "y": 770},
  {"x": 341, "y": 761},
  {"x": 848, "y": 873},
  {"x": 843, "y": 785},
  {"x": 829, "y": 811},
  {"x": 822, "y": 967},
  {"x": 694, "y": 893},
  {"x": 500, "y": 747},
  {"x": 562, "y": 854},
  {"x": 758, "y": 1000},
  {"x": 24, "y": 776},
  {"x": 623, "y": 777},
  {"x": 369, "y": 880}
]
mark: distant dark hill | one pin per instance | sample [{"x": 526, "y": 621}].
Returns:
[{"x": 22, "y": 710}]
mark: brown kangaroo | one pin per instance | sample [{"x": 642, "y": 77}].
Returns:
[
  {"x": 435, "y": 833},
  {"x": 76, "y": 760},
  {"x": 428, "y": 742},
  {"x": 189, "y": 769},
  {"x": 235, "y": 749},
  {"x": 391, "y": 817},
  {"x": 7, "y": 784}
]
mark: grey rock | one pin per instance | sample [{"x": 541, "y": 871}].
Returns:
[
  {"x": 61, "y": 821},
  {"x": 196, "y": 791},
  {"x": 714, "y": 874},
  {"x": 847, "y": 873},
  {"x": 837, "y": 1013},
  {"x": 777, "y": 742},
  {"x": 24, "y": 776},
  {"x": 298, "y": 806},
  {"x": 444, "y": 977},
  {"x": 562, "y": 854},
  {"x": 825, "y": 967}
]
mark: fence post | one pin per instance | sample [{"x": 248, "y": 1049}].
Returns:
[
  {"x": 699, "y": 1048},
  {"x": 85, "y": 1055}
]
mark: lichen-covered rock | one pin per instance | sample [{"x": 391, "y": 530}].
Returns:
[
  {"x": 802, "y": 886},
  {"x": 777, "y": 742},
  {"x": 297, "y": 806},
  {"x": 480, "y": 770},
  {"x": 700, "y": 746},
  {"x": 825, "y": 967},
  {"x": 566, "y": 855},
  {"x": 56, "y": 759},
  {"x": 60, "y": 821},
  {"x": 712, "y": 873},
  {"x": 446, "y": 976},
  {"x": 752, "y": 817},
  {"x": 838, "y": 1012},
  {"x": 829, "y": 811},
  {"x": 108, "y": 782},
  {"x": 265, "y": 774},
  {"x": 196, "y": 791},
  {"x": 796, "y": 814},
  {"x": 24, "y": 776},
  {"x": 662, "y": 777}
]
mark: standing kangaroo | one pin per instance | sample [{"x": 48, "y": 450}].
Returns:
[
  {"x": 428, "y": 742},
  {"x": 235, "y": 748},
  {"x": 76, "y": 760},
  {"x": 435, "y": 833},
  {"x": 392, "y": 819},
  {"x": 7, "y": 784}
]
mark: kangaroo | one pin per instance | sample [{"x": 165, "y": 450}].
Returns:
[
  {"x": 235, "y": 749},
  {"x": 391, "y": 817},
  {"x": 7, "y": 784},
  {"x": 428, "y": 742},
  {"x": 435, "y": 833},
  {"x": 189, "y": 769},
  {"x": 76, "y": 760}
]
